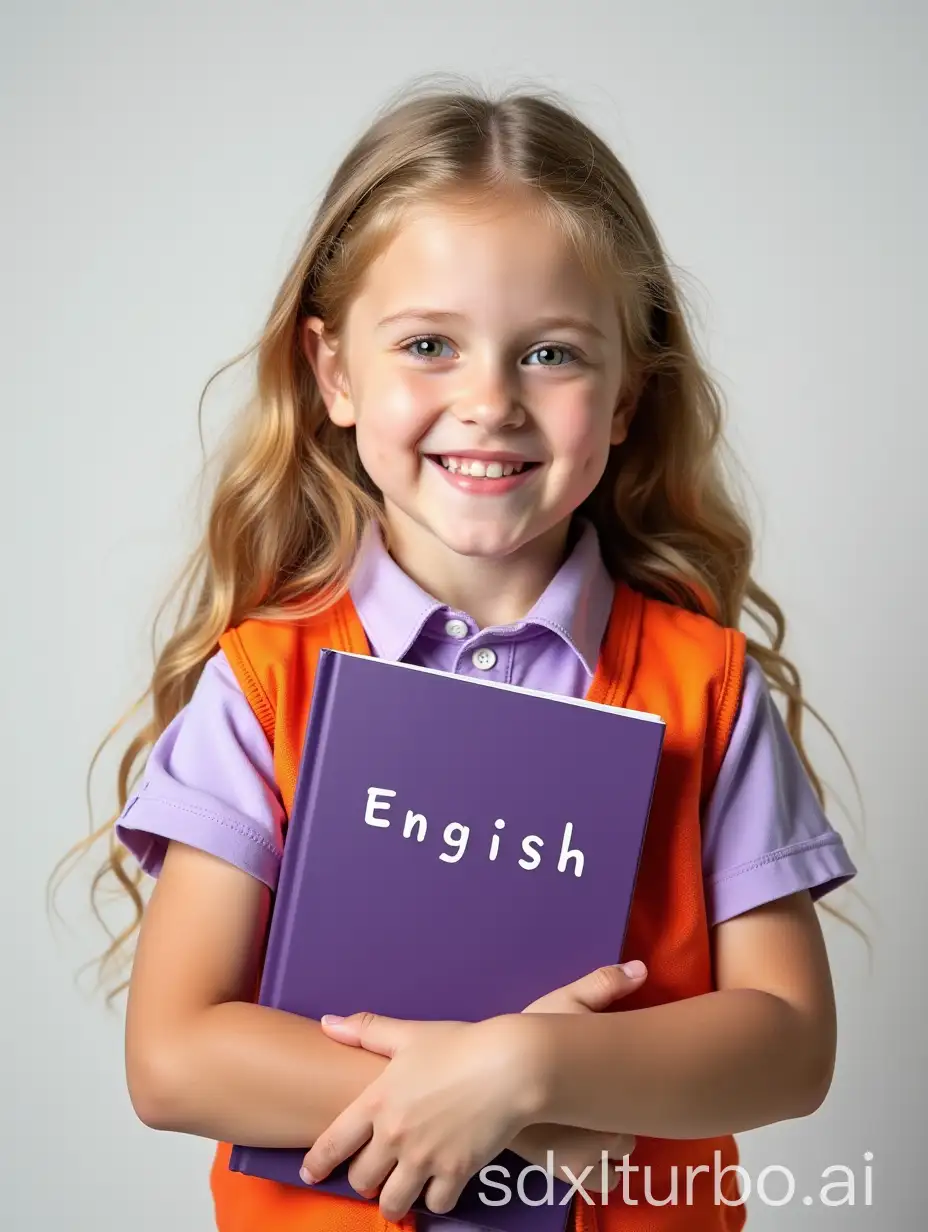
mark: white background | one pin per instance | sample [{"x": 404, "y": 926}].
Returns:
[{"x": 159, "y": 164}]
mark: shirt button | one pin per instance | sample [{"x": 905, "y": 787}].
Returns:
[
  {"x": 456, "y": 628},
  {"x": 484, "y": 658}
]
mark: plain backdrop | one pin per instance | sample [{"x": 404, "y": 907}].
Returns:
[{"x": 159, "y": 165}]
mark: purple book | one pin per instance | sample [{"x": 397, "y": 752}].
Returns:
[{"x": 485, "y": 841}]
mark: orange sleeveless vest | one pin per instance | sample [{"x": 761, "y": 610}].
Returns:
[{"x": 657, "y": 658}]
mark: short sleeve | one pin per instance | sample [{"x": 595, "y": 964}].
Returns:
[
  {"x": 764, "y": 833},
  {"x": 209, "y": 783}
]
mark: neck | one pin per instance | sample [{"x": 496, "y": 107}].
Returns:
[{"x": 491, "y": 590}]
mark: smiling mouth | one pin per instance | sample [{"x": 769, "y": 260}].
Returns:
[{"x": 478, "y": 468}]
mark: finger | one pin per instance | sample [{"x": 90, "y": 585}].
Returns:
[
  {"x": 372, "y": 1032},
  {"x": 350, "y": 1130},
  {"x": 345, "y": 1030},
  {"x": 608, "y": 984},
  {"x": 370, "y": 1168},
  {"x": 443, "y": 1192},
  {"x": 594, "y": 1182},
  {"x": 622, "y": 1145},
  {"x": 400, "y": 1190}
]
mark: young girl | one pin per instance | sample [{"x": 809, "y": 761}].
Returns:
[{"x": 482, "y": 442}]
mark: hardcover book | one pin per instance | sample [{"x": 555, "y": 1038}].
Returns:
[{"x": 457, "y": 848}]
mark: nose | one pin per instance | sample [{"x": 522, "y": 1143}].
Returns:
[{"x": 490, "y": 398}]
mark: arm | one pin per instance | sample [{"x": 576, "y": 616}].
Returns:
[
  {"x": 200, "y": 1058},
  {"x": 760, "y": 1049}
]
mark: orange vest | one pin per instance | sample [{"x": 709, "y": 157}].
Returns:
[{"x": 656, "y": 658}]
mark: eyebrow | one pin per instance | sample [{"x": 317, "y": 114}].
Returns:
[{"x": 581, "y": 324}]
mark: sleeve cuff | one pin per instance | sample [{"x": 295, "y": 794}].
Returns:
[
  {"x": 147, "y": 824},
  {"x": 819, "y": 865}
]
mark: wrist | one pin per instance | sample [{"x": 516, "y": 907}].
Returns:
[
  {"x": 565, "y": 1052},
  {"x": 530, "y": 1065}
]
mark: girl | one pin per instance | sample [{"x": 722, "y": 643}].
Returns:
[{"x": 482, "y": 442}]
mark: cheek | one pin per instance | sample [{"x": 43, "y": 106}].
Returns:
[
  {"x": 580, "y": 435},
  {"x": 397, "y": 409}
]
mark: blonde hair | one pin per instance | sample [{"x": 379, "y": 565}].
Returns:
[{"x": 292, "y": 498}]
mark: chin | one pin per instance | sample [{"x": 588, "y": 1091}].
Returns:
[{"x": 479, "y": 542}]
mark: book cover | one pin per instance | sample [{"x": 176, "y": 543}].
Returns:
[{"x": 457, "y": 848}]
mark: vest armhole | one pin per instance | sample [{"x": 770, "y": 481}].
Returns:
[
  {"x": 233, "y": 646},
  {"x": 729, "y": 699}
]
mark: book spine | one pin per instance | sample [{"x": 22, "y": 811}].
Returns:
[
  {"x": 291, "y": 874},
  {"x": 281, "y": 926}
]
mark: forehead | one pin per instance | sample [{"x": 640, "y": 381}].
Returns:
[{"x": 504, "y": 250}]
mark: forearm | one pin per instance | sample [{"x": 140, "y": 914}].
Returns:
[
  {"x": 716, "y": 1064},
  {"x": 245, "y": 1073}
]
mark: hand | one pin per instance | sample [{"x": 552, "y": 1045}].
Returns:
[
  {"x": 572, "y": 1147},
  {"x": 593, "y": 992},
  {"x": 573, "y": 1152},
  {"x": 452, "y": 1097}
]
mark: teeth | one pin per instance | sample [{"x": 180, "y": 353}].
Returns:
[{"x": 480, "y": 470}]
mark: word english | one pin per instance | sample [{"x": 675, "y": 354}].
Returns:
[{"x": 456, "y": 836}]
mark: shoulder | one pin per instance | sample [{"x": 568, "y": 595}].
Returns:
[
  {"x": 217, "y": 708},
  {"x": 267, "y": 653},
  {"x": 257, "y": 639},
  {"x": 765, "y": 833},
  {"x": 209, "y": 783},
  {"x": 218, "y": 694},
  {"x": 691, "y": 654},
  {"x": 274, "y": 659},
  {"x": 672, "y": 631},
  {"x": 299, "y": 628}
]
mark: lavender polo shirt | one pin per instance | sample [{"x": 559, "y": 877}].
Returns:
[{"x": 209, "y": 781}]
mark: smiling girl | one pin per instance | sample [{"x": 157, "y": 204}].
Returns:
[{"x": 482, "y": 442}]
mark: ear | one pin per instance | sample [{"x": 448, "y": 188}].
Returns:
[
  {"x": 321, "y": 353},
  {"x": 623, "y": 415}
]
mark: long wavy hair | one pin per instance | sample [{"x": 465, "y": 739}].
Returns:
[{"x": 292, "y": 499}]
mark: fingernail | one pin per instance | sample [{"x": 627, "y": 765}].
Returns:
[
  {"x": 307, "y": 1177},
  {"x": 635, "y": 970},
  {"x": 332, "y": 1018}
]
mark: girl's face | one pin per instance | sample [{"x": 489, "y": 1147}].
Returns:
[{"x": 482, "y": 372}]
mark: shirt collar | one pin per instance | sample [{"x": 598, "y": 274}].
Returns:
[{"x": 394, "y": 609}]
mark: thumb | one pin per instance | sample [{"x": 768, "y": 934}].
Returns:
[
  {"x": 601, "y": 987},
  {"x": 372, "y": 1032}
]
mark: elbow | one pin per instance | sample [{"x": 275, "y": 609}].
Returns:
[
  {"x": 816, "y": 1089},
  {"x": 154, "y": 1081},
  {"x": 816, "y": 1076}
]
